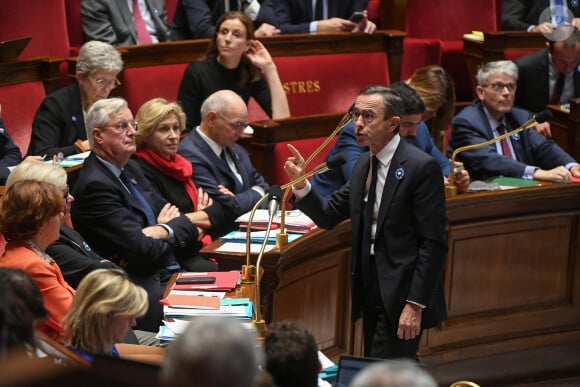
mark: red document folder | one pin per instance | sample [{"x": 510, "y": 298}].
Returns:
[{"x": 224, "y": 281}]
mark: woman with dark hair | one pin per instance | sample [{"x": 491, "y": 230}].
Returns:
[
  {"x": 237, "y": 62},
  {"x": 21, "y": 307},
  {"x": 31, "y": 213}
]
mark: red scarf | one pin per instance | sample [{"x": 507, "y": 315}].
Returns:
[{"x": 177, "y": 168}]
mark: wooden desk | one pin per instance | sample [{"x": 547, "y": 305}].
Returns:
[
  {"x": 565, "y": 127},
  {"x": 45, "y": 69},
  {"x": 512, "y": 284}
]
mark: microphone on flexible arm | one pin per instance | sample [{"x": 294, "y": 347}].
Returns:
[
  {"x": 282, "y": 236},
  {"x": 538, "y": 118}
]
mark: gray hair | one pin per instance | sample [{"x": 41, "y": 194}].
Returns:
[
  {"x": 100, "y": 113},
  {"x": 394, "y": 373},
  {"x": 48, "y": 173},
  {"x": 212, "y": 352},
  {"x": 216, "y": 102},
  {"x": 95, "y": 55},
  {"x": 500, "y": 66}
]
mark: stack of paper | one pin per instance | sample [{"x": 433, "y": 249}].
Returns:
[
  {"x": 295, "y": 221},
  {"x": 256, "y": 237},
  {"x": 240, "y": 308}
]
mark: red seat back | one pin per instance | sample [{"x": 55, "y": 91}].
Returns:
[
  {"x": 140, "y": 84},
  {"x": 170, "y": 7},
  {"x": 44, "y": 20},
  {"x": 74, "y": 25},
  {"x": 318, "y": 84},
  {"x": 19, "y": 104}
]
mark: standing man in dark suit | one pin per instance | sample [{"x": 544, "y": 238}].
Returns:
[
  {"x": 527, "y": 155},
  {"x": 303, "y": 16},
  {"x": 120, "y": 214},
  {"x": 539, "y": 74},
  {"x": 399, "y": 244},
  {"x": 196, "y": 19},
  {"x": 119, "y": 23},
  {"x": 524, "y": 15},
  {"x": 220, "y": 166}
]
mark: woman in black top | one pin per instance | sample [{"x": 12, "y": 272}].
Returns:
[{"x": 237, "y": 62}]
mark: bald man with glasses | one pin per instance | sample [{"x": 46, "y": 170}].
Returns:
[{"x": 220, "y": 166}]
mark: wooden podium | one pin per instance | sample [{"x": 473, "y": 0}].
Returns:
[{"x": 512, "y": 284}]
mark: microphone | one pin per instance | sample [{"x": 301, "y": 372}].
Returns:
[
  {"x": 538, "y": 118},
  {"x": 274, "y": 197}
]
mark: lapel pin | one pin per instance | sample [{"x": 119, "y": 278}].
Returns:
[
  {"x": 399, "y": 173},
  {"x": 516, "y": 136}
]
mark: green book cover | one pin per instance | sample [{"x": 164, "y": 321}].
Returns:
[{"x": 514, "y": 181}]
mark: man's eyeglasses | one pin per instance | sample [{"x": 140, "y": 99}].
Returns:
[
  {"x": 498, "y": 87},
  {"x": 124, "y": 126},
  {"x": 237, "y": 126},
  {"x": 102, "y": 83},
  {"x": 367, "y": 116}
]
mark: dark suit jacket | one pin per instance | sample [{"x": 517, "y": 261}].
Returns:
[
  {"x": 58, "y": 123},
  {"x": 111, "y": 220},
  {"x": 410, "y": 242},
  {"x": 533, "y": 92},
  {"x": 471, "y": 126},
  {"x": 75, "y": 257},
  {"x": 9, "y": 153},
  {"x": 294, "y": 16},
  {"x": 112, "y": 21},
  {"x": 518, "y": 15},
  {"x": 196, "y": 19},
  {"x": 209, "y": 171}
]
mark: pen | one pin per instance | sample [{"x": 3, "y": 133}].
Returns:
[{"x": 44, "y": 157}]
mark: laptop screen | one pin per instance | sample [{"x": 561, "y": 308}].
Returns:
[{"x": 349, "y": 366}]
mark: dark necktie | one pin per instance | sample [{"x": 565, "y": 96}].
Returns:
[
  {"x": 142, "y": 33},
  {"x": 505, "y": 146},
  {"x": 239, "y": 187},
  {"x": 558, "y": 89},
  {"x": 138, "y": 196},
  {"x": 318, "y": 12},
  {"x": 368, "y": 224}
]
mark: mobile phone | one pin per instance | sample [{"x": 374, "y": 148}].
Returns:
[
  {"x": 357, "y": 17},
  {"x": 195, "y": 280}
]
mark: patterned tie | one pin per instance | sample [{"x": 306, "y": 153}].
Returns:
[
  {"x": 558, "y": 89},
  {"x": 505, "y": 146},
  {"x": 239, "y": 187},
  {"x": 131, "y": 185},
  {"x": 142, "y": 33},
  {"x": 368, "y": 224}
]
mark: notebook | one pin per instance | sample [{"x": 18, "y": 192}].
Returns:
[
  {"x": 349, "y": 366},
  {"x": 10, "y": 50}
]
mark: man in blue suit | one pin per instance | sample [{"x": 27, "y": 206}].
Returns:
[
  {"x": 398, "y": 238},
  {"x": 412, "y": 129},
  {"x": 220, "y": 166},
  {"x": 122, "y": 216},
  {"x": 527, "y": 155}
]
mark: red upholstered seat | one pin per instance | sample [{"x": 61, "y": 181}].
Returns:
[
  {"x": 329, "y": 83},
  {"x": 373, "y": 10},
  {"x": 19, "y": 104},
  {"x": 74, "y": 25},
  {"x": 141, "y": 84},
  {"x": 446, "y": 21},
  {"x": 44, "y": 20},
  {"x": 170, "y": 6}
]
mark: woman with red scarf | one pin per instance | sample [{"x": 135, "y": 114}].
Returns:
[{"x": 160, "y": 125}]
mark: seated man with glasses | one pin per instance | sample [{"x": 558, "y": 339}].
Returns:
[
  {"x": 221, "y": 167},
  {"x": 527, "y": 155},
  {"x": 123, "y": 217},
  {"x": 59, "y": 125}
]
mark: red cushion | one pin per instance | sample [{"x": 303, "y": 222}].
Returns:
[
  {"x": 19, "y": 104},
  {"x": 419, "y": 53},
  {"x": 449, "y": 19},
  {"x": 170, "y": 6},
  {"x": 74, "y": 24},
  {"x": 140, "y": 84},
  {"x": 515, "y": 54},
  {"x": 318, "y": 84},
  {"x": 44, "y": 21},
  {"x": 373, "y": 10}
]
